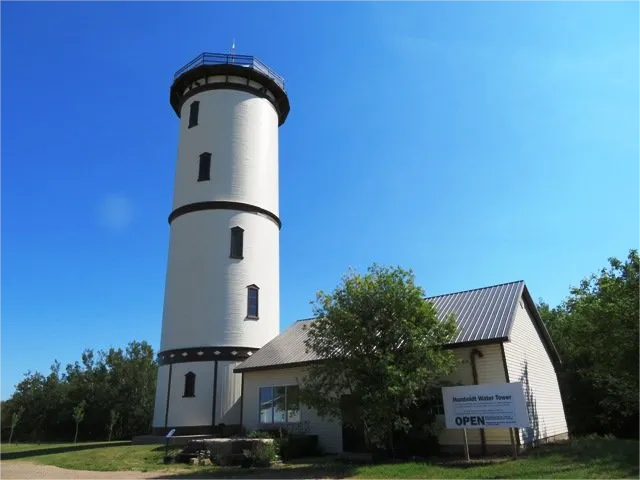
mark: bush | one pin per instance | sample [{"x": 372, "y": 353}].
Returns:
[
  {"x": 297, "y": 446},
  {"x": 262, "y": 434},
  {"x": 262, "y": 454},
  {"x": 228, "y": 431}
]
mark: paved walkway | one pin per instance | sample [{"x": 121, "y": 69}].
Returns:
[{"x": 28, "y": 471}]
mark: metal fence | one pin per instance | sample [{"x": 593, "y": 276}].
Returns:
[{"x": 231, "y": 59}]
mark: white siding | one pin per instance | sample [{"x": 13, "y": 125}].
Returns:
[
  {"x": 329, "y": 431},
  {"x": 160, "y": 408},
  {"x": 490, "y": 370},
  {"x": 228, "y": 393},
  {"x": 240, "y": 130},
  {"x": 205, "y": 302},
  {"x": 528, "y": 362},
  {"x": 190, "y": 411}
]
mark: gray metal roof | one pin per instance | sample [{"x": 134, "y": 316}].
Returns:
[
  {"x": 288, "y": 348},
  {"x": 483, "y": 315}
]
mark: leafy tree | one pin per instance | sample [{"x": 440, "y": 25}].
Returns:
[
  {"x": 596, "y": 332},
  {"x": 78, "y": 416},
  {"x": 114, "y": 416},
  {"x": 116, "y": 379},
  {"x": 15, "y": 418},
  {"x": 382, "y": 348}
]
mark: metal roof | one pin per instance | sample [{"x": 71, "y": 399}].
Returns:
[
  {"x": 483, "y": 315},
  {"x": 288, "y": 348}
]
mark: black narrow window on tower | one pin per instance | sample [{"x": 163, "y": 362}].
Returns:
[
  {"x": 236, "y": 242},
  {"x": 252, "y": 301},
  {"x": 194, "y": 109},
  {"x": 189, "y": 385},
  {"x": 204, "y": 171}
]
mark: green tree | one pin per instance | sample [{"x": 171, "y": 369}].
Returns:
[
  {"x": 381, "y": 345},
  {"x": 123, "y": 380},
  {"x": 114, "y": 416},
  {"x": 15, "y": 418},
  {"x": 596, "y": 333},
  {"x": 78, "y": 416}
]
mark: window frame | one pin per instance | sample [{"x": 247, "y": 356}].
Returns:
[
  {"x": 237, "y": 232},
  {"x": 192, "y": 384},
  {"x": 204, "y": 175},
  {"x": 194, "y": 117},
  {"x": 286, "y": 387},
  {"x": 256, "y": 289}
]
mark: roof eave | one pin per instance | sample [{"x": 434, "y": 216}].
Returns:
[{"x": 278, "y": 366}]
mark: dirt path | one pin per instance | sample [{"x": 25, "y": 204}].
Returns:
[{"x": 29, "y": 471}]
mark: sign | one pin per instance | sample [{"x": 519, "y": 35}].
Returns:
[
  {"x": 489, "y": 405},
  {"x": 170, "y": 434}
]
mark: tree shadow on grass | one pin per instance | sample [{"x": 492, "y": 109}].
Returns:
[
  {"x": 36, "y": 452},
  {"x": 601, "y": 456},
  {"x": 596, "y": 453}
]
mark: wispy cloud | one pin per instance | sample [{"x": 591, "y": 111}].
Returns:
[{"x": 116, "y": 212}]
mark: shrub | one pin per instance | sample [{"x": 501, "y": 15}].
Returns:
[
  {"x": 297, "y": 446},
  {"x": 262, "y": 454},
  {"x": 261, "y": 434}
]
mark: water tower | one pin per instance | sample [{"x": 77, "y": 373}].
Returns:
[{"x": 222, "y": 292}]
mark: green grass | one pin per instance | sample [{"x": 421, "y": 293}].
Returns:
[
  {"x": 100, "y": 456},
  {"x": 581, "y": 458}
]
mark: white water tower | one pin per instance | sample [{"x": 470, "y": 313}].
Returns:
[{"x": 222, "y": 295}]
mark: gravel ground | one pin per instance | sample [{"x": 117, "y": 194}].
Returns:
[{"x": 28, "y": 471}]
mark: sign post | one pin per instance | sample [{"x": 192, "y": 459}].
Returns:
[
  {"x": 166, "y": 447},
  {"x": 466, "y": 445},
  {"x": 489, "y": 405}
]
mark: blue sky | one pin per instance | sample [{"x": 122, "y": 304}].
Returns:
[{"x": 476, "y": 143}]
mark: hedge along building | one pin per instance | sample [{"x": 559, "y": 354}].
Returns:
[
  {"x": 222, "y": 293},
  {"x": 501, "y": 338}
]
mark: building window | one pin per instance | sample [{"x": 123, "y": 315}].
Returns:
[
  {"x": 236, "y": 242},
  {"x": 279, "y": 404},
  {"x": 204, "y": 172},
  {"x": 252, "y": 301},
  {"x": 189, "y": 385},
  {"x": 194, "y": 109}
]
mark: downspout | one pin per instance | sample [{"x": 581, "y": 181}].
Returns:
[
  {"x": 474, "y": 370},
  {"x": 215, "y": 396},
  {"x": 166, "y": 413},
  {"x": 241, "y": 399}
]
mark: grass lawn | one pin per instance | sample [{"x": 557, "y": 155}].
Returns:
[
  {"x": 581, "y": 458},
  {"x": 101, "y": 456}
]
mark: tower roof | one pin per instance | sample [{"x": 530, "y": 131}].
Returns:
[{"x": 260, "y": 79}]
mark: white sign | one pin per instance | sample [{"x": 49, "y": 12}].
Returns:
[
  {"x": 170, "y": 434},
  {"x": 488, "y": 405}
]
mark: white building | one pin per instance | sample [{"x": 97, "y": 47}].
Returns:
[
  {"x": 501, "y": 339},
  {"x": 222, "y": 293},
  {"x": 221, "y": 356}
]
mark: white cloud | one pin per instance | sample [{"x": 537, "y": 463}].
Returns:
[{"x": 116, "y": 212}]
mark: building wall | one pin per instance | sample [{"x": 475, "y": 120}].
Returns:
[
  {"x": 228, "y": 394},
  {"x": 240, "y": 131},
  {"x": 490, "y": 370},
  {"x": 529, "y": 362},
  {"x": 189, "y": 411},
  {"x": 205, "y": 300},
  {"x": 329, "y": 432}
]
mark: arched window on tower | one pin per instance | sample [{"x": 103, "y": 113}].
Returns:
[
  {"x": 189, "y": 385},
  {"x": 204, "y": 171},
  {"x": 252, "y": 301},
  {"x": 237, "y": 234}
]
